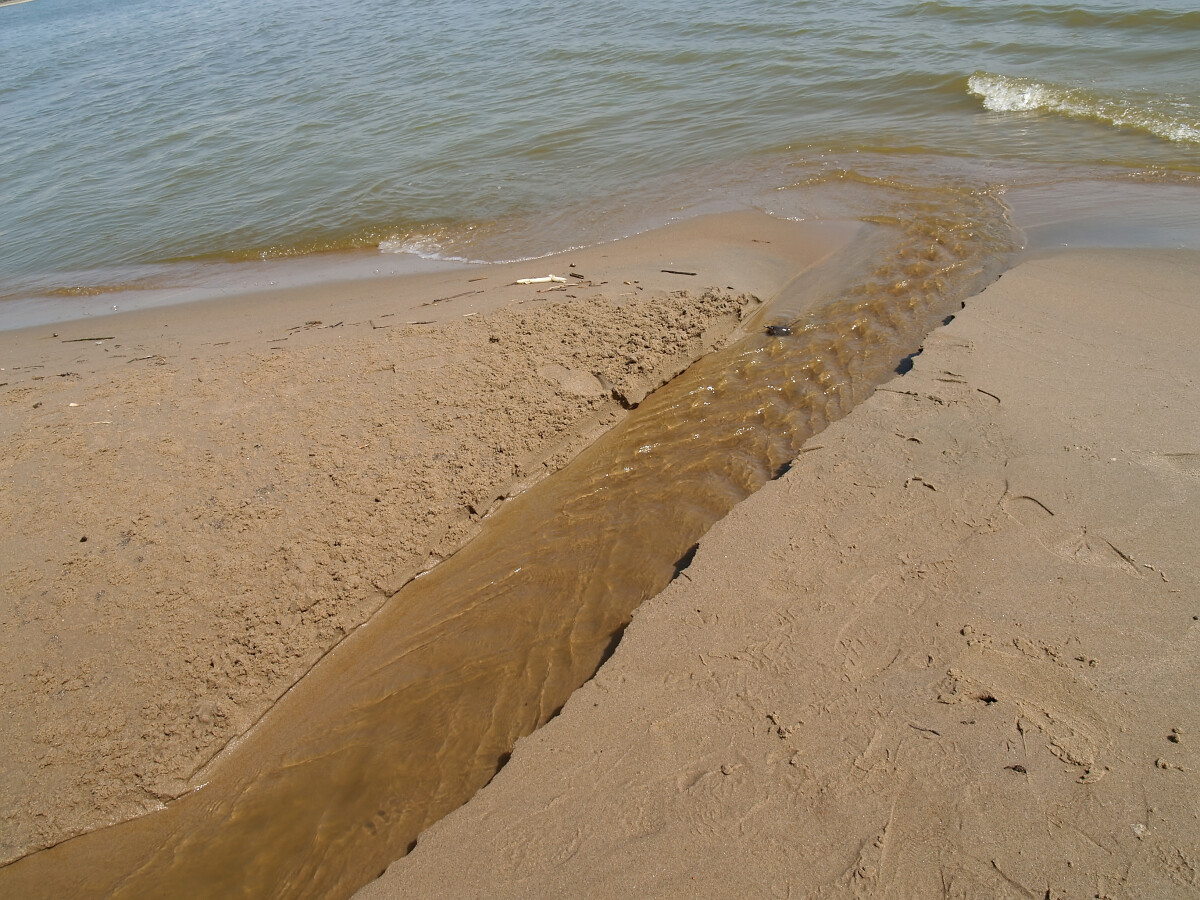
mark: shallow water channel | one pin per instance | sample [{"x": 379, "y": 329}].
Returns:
[{"x": 416, "y": 711}]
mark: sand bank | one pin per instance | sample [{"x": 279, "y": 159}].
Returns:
[
  {"x": 952, "y": 652},
  {"x": 201, "y": 500}
]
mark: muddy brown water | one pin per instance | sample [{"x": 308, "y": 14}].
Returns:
[{"x": 418, "y": 709}]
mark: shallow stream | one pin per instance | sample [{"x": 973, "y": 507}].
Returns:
[{"x": 417, "y": 710}]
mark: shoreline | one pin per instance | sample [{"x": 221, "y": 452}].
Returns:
[
  {"x": 453, "y": 344},
  {"x": 382, "y": 394},
  {"x": 356, "y": 276},
  {"x": 208, "y": 497},
  {"x": 948, "y": 650},
  {"x": 1087, "y": 208}
]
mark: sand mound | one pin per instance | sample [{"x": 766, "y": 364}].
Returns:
[{"x": 189, "y": 532}]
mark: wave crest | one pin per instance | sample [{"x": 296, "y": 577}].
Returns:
[{"x": 1003, "y": 93}]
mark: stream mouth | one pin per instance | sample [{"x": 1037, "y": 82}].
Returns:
[{"x": 419, "y": 708}]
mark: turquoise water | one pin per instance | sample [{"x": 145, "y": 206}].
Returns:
[{"x": 140, "y": 138}]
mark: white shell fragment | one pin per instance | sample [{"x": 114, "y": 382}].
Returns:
[{"x": 557, "y": 279}]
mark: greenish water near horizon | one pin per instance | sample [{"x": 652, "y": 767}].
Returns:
[{"x": 146, "y": 143}]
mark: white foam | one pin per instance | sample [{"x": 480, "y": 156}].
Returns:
[
  {"x": 1002, "y": 93},
  {"x": 424, "y": 246},
  {"x": 428, "y": 246}
]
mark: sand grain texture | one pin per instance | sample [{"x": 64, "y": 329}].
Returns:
[
  {"x": 202, "y": 503},
  {"x": 953, "y": 652},
  {"x": 229, "y": 522}
]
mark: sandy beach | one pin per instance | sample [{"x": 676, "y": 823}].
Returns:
[
  {"x": 952, "y": 652},
  {"x": 948, "y": 653},
  {"x": 691, "y": 449},
  {"x": 201, "y": 500}
]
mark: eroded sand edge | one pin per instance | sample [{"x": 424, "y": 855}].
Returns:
[
  {"x": 952, "y": 652},
  {"x": 201, "y": 503}
]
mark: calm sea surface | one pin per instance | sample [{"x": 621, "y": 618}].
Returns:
[{"x": 147, "y": 143}]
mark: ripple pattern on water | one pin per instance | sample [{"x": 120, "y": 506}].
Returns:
[{"x": 139, "y": 132}]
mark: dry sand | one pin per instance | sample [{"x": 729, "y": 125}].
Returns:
[
  {"x": 200, "y": 501},
  {"x": 953, "y": 652}
]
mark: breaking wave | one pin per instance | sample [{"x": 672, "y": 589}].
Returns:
[{"x": 1170, "y": 120}]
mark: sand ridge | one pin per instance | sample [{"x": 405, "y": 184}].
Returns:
[{"x": 950, "y": 653}]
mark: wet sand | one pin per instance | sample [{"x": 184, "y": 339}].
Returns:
[
  {"x": 202, "y": 500},
  {"x": 951, "y": 652}
]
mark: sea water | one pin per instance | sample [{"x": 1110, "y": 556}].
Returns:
[
  {"x": 147, "y": 145},
  {"x": 154, "y": 145}
]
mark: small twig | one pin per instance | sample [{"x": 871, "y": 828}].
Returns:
[
  {"x": 1122, "y": 554},
  {"x": 451, "y": 297},
  {"x": 1037, "y": 501}
]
